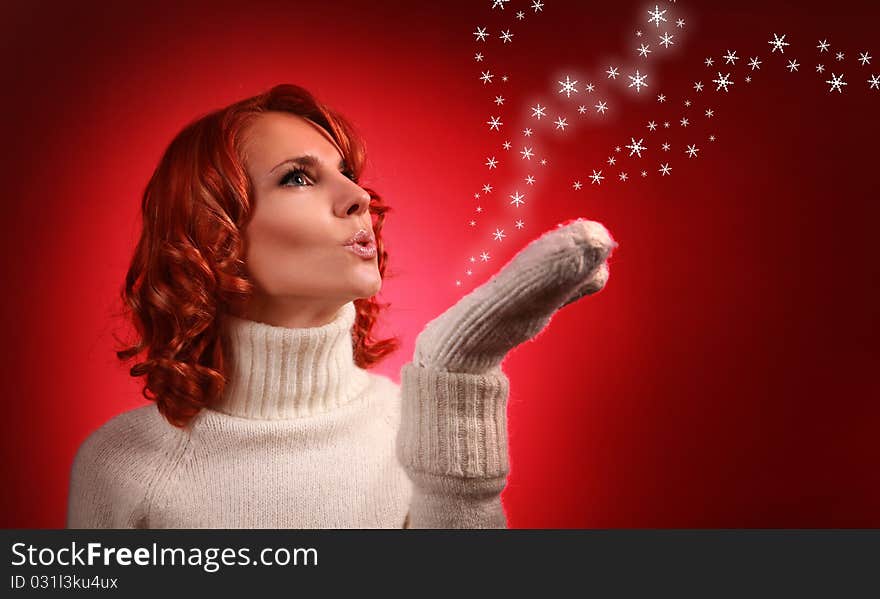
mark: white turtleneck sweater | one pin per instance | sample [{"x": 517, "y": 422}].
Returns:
[{"x": 303, "y": 438}]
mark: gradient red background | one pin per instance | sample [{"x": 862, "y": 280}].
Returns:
[{"x": 727, "y": 375}]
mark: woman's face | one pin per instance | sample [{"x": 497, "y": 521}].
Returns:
[{"x": 305, "y": 208}]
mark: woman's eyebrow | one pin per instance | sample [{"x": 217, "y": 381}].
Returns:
[{"x": 307, "y": 160}]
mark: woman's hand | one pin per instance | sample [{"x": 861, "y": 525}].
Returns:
[{"x": 554, "y": 270}]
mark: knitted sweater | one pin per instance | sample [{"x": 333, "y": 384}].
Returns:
[{"x": 303, "y": 438}]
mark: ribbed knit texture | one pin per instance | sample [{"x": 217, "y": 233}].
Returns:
[
  {"x": 301, "y": 438},
  {"x": 281, "y": 373}
]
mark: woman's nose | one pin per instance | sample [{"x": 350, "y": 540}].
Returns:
[{"x": 360, "y": 203}]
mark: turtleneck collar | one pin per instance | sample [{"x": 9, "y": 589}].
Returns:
[{"x": 281, "y": 373}]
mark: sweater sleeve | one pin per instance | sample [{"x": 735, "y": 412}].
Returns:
[{"x": 452, "y": 443}]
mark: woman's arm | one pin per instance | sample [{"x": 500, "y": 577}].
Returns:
[
  {"x": 453, "y": 445},
  {"x": 453, "y": 434}
]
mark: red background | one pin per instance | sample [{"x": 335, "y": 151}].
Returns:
[{"x": 726, "y": 376}]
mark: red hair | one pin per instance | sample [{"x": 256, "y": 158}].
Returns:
[{"x": 187, "y": 272}]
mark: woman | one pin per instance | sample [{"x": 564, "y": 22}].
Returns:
[{"x": 252, "y": 292}]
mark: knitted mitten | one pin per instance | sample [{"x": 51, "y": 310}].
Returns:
[
  {"x": 553, "y": 271},
  {"x": 453, "y": 433}
]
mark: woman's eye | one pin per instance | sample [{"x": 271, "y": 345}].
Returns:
[{"x": 294, "y": 175}]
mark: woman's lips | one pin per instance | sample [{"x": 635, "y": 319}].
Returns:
[{"x": 364, "y": 250}]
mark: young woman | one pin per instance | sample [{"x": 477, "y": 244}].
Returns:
[{"x": 252, "y": 293}]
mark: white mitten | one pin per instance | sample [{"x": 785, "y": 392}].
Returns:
[{"x": 554, "y": 270}]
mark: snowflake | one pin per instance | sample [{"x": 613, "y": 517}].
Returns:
[
  {"x": 577, "y": 185},
  {"x": 499, "y": 234},
  {"x": 472, "y": 223},
  {"x": 865, "y": 58},
  {"x": 711, "y": 138},
  {"x": 644, "y": 173},
  {"x": 500, "y": 3},
  {"x": 582, "y": 109},
  {"x": 636, "y": 147},
  {"x": 687, "y": 103},
  {"x": 484, "y": 256},
  {"x": 526, "y": 153},
  {"x": 839, "y": 56},
  {"x": 638, "y": 33},
  {"x": 568, "y": 87},
  {"x": 602, "y": 107},
  {"x": 666, "y": 40},
  {"x": 612, "y": 72},
  {"x": 755, "y": 63},
  {"x": 538, "y": 111},
  {"x": 792, "y": 66},
  {"x": 560, "y": 123},
  {"x": 823, "y": 46},
  {"x": 517, "y": 199},
  {"x": 494, "y": 122},
  {"x": 874, "y": 82},
  {"x": 679, "y": 23},
  {"x": 661, "y": 98},
  {"x": 722, "y": 81},
  {"x": 657, "y": 15},
  {"x": 487, "y": 188},
  {"x": 612, "y": 160},
  {"x": 478, "y": 57},
  {"x": 692, "y": 151},
  {"x": 486, "y": 78},
  {"x": 622, "y": 176},
  {"x": 664, "y": 169},
  {"x": 652, "y": 126},
  {"x": 597, "y": 177},
  {"x": 492, "y": 163},
  {"x": 520, "y": 15},
  {"x": 481, "y": 34},
  {"x": 530, "y": 179},
  {"x": 684, "y": 122},
  {"x": 528, "y": 132},
  {"x": 778, "y": 43},
  {"x": 820, "y": 68},
  {"x": 505, "y": 35},
  {"x": 698, "y": 85},
  {"x": 638, "y": 81},
  {"x": 709, "y": 113},
  {"x": 730, "y": 57},
  {"x": 709, "y": 62},
  {"x": 665, "y": 146},
  {"x": 519, "y": 224},
  {"x": 499, "y": 100},
  {"x": 836, "y": 83},
  {"x": 590, "y": 87},
  {"x": 643, "y": 50},
  {"x": 537, "y": 5}
]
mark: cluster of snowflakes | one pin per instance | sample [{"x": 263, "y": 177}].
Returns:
[
  {"x": 720, "y": 80},
  {"x": 723, "y": 84}
]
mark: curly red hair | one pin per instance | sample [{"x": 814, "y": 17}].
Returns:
[{"x": 187, "y": 272}]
